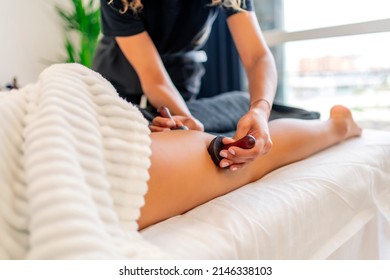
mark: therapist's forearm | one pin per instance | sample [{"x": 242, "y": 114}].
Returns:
[
  {"x": 166, "y": 95},
  {"x": 155, "y": 81},
  {"x": 262, "y": 78}
]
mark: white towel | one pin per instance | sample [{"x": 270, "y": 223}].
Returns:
[{"x": 74, "y": 161}]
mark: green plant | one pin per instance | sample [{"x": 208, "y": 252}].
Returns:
[{"x": 84, "y": 20}]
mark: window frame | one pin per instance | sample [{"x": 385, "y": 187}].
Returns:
[{"x": 278, "y": 37}]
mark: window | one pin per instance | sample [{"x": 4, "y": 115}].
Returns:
[
  {"x": 332, "y": 52},
  {"x": 354, "y": 71}
]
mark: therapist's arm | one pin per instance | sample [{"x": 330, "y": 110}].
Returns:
[
  {"x": 260, "y": 68},
  {"x": 155, "y": 81}
]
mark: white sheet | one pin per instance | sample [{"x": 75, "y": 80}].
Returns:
[{"x": 306, "y": 210}]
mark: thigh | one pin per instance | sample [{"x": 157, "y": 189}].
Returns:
[{"x": 183, "y": 176}]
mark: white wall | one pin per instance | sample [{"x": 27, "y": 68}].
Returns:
[{"x": 31, "y": 38}]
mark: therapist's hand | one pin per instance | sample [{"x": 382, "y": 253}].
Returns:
[
  {"x": 190, "y": 122},
  {"x": 162, "y": 124},
  {"x": 254, "y": 122}
]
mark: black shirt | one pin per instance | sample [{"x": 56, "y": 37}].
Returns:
[{"x": 175, "y": 27}]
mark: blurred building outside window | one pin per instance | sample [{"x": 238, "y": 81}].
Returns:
[{"x": 331, "y": 52}]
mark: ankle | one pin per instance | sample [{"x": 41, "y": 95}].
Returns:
[{"x": 340, "y": 128}]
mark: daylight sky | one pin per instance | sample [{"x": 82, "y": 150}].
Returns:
[{"x": 308, "y": 14}]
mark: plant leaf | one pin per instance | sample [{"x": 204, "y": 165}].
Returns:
[{"x": 85, "y": 20}]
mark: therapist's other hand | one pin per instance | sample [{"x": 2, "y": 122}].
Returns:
[{"x": 163, "y": 124}]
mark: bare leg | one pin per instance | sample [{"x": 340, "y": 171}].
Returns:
[{"x": 183, "y": 175}]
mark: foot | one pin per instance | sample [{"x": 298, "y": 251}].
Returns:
[{"x": 344, "y": 122}]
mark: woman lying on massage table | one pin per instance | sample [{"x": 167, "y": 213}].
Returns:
[{"x": 183, "y": 176}]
